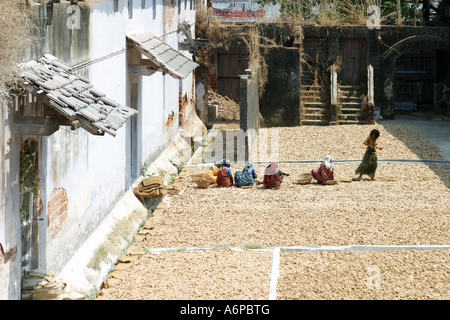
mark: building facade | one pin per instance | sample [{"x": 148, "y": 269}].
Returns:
[{"x": 62, "y": 174}]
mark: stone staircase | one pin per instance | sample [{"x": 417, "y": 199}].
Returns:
[
  {"x": 314, "y": 110},
  {"x": 350, "y": 103}
]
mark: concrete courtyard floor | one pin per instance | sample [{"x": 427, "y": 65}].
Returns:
[{"x": 383, "y": 239}]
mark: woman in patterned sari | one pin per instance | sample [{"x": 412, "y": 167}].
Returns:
[{"x": 369, "y": 162}]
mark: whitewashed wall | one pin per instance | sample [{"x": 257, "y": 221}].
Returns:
[{"x": 10, "y": 271}]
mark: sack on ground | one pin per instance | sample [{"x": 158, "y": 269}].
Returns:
[{"x": 150, "y": 187}]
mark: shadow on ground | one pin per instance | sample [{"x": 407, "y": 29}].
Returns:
[{"x": 432, "y": 127}]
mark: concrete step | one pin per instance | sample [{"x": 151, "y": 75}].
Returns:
[
  {"x": 315, "y": 110},
  {"x": 350, "y": 91},
  {"x": 311, "y": 109},
  {"x": 348, "y": 109},
  {"x": 309, "y": 89},
  {"x": 314, "y": 119},
  {"x": 340, "y": 122},
  {"x": 351, "y": 98},
  {"x": 311, "y": 99},
  {"x": 351, "y": 105},
  {"x": 350, "y": 112},
  {"x": 314, "y": 104},
  {"x": 308, "y": 122},
  {"x": 309, "y": 92},
  {"x": 309, "y": 114},
  {"x": 312, "y": 85},
  {"x": 349, "y": 116},
  {"x": 348, "y": 87}
]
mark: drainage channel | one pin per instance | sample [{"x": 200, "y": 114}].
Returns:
[{"x": 276, "y": 252}]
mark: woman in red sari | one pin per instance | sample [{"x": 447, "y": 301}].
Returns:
[
  {"x": 325, "y": 172},
  {"x": 273, "y": 176}
]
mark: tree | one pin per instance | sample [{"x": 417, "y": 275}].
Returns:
[{"x": 442, "y": 16}]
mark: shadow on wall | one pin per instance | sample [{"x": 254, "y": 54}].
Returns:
[{"x": 280, "y": 102}]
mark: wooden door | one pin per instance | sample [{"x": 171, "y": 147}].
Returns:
[
  {"x": 353, "y": 53},
  {"x": 230, "y": 65}
]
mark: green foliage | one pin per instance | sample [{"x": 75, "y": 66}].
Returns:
[
  {"x": 178, "y": 165},
  {"x": 253, "y": 246},
  {"x": 29, "y": 179}
]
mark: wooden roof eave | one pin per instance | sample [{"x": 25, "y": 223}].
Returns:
[{"x": 47, "y": 125}]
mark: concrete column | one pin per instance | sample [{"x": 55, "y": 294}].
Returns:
[
  {"x": 243, "y": 105},
  {"x": 370, "y": 86},
  {"x": 213, "y": 112},
  {"x": 370, "y": 107},
  {"x": 249, "y": 109},
  {"x": 333, "y": 96}
]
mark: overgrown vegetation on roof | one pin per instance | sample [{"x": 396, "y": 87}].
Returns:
[
  {"x": 296, "y": 13},
  {"x": 16, "y": 33},
  {"x": 355, "y": 12}
]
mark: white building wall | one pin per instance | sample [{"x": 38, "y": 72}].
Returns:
[{"x": 10, "y": 271}]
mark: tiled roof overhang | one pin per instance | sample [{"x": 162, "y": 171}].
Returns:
[
  {"x": 73, "y": 96},
  {"x": 162, "y": 55}
]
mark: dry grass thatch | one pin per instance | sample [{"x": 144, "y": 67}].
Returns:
[{"x": 16, "y": 29}]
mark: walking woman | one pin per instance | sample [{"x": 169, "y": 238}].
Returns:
[{"x": 369, "y": 162}]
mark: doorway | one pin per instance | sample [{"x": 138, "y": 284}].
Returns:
[
  {"x": 230, "y": 65},
  {"x": 353, "y": 53},
  {"x": 414, "y": 80},
  {"x": 29, "y": 203}
]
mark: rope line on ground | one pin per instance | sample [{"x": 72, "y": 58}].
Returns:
[{"x": 346, "y": 161}]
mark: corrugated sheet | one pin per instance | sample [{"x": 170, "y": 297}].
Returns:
[
  {"x": 164, "y": 56},
  {"x": 74, "y": 96}
]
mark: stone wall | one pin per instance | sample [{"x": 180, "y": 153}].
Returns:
[
  {"x": 383, "y": 47},
  {"x": 280, "y": 101}
]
